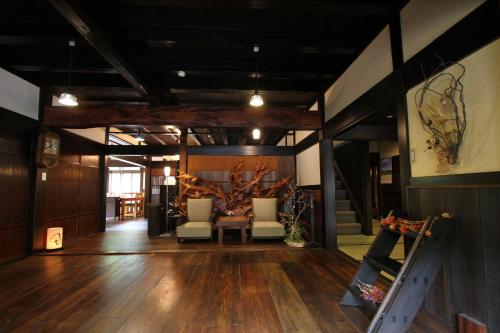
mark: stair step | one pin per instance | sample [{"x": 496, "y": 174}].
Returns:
[
  {"x": 340, "y": 195},
  {"x": 345, "y": 216},
  {"x": 348, "y": 228},
  {"x": 338, "y": 184},
  {"x": 342, "y": 205},
  {"x": 385, "y": 264}
]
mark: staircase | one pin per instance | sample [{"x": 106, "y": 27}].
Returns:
[{"x": 347, "y": 223}]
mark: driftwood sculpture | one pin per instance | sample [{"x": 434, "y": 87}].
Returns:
[
  {"x": 238, "y": 200},
  {"x": 441, "y": 109}
]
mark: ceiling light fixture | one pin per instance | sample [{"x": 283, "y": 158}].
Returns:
[
  {"x": 256, "y": 99},
  {"x": 139, "y": 137},
  {"x": 389, "y": 116},
  {"x": 67, "y": 98},
  {"x": 181, "y": 74},
  {"x": 256, "y": 134}
]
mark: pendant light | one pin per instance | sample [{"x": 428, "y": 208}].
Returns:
[
  {"x": 256, "y": 134},
  {"x": 256, "y": 99},
  {"x": 67, "y": 98},
  {"x": 139, "y": 137}
]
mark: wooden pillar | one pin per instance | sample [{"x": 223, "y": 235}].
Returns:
[
  {"x": 147, "y": 187},
  {"x": 103, "y": 181},
  {"x": 183, "y": 158},
  {"x": 36, "y": 231},
  {"x": 401, "y": 108},
  {"x": 327, "y": 173}
]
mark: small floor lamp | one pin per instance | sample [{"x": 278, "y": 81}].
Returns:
[{"x": 169, "y": 180}]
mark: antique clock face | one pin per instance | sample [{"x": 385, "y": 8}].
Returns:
[
  {"x": 51, "y": 146},
  {"x": 49, "y": 149}
]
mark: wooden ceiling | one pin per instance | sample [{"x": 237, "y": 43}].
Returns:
[{"x": 130, "y": 52}]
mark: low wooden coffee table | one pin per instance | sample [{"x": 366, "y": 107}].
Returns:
[{"x": 232, "y": 222}]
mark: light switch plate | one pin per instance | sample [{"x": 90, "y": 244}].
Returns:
[
  {"x": 412, "y": 155},
  {"x": 44, "y": 176}
]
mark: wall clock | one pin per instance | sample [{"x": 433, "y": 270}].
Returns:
[{"x": 50, "y": 144}]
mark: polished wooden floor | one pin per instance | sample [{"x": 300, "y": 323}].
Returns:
[{"x": 218, "y": 291}]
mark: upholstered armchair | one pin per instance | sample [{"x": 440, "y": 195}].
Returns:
[
  {"x": 264, "y": 219},
  {"x": 199, "y": 220}
]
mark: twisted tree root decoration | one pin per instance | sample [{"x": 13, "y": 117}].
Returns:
[
  {"x": 239, "y": 200},
  {"x": 442, "y": 113}
]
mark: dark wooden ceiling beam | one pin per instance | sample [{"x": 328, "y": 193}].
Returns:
[
  {"x": 64, "y": 69},
  {"x": 331, "y": 7},
  {"x": 181, "y": 116},
  {"x": 194, "y": 137},
  {"x": 109, "y": 49}
]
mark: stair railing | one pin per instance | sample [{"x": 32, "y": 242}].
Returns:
[{"x": 355, "y": 205}]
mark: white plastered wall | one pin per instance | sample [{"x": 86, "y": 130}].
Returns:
[
  {"x": 422, "y": 21},
  {"x": 307, "y": 164},
  {"x": 18, "y": 95},
  {"x": 372, "y": 65},
  {"x": 479, "y": 152}
]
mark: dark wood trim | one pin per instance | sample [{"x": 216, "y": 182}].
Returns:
[
  {"x": 288, "y": 117},
  {"x": 469, "y": 180},
  {"x": 401, "y": 110},
  {"x": 327, "y": 174},
  {"x": 141, "y": 150},
  {"x": 110, "y": 48},
  {"x": 473, "y": 32},
  {"x": 377, "y": 98},
  {"x": 307, "y": 142},
  {"x": 103, "y": 183},
  {"x": 241, "y": 150}
]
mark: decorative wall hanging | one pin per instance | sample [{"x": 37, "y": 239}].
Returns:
[
  {"x": 238, "y": 201},
  {"x": 441, "y": 108}
]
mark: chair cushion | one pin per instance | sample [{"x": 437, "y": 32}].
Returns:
[
  {"x": 268, "y": 229},
  {"x": 199, "y": 210},
  {"x": 264, "y": 209},
  {"x": 195, "y": 229}
]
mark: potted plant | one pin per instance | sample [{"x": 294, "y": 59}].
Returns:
[{"x": 295, "y": 205}]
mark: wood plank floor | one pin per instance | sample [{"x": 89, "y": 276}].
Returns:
[{"x": 218, "y": 291}]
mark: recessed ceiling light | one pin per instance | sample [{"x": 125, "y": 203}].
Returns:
[
  {"x": 181, "y": 74},
  {"x": 389, "y": 116}
]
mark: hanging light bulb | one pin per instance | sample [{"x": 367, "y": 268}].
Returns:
[
  {"x": 139, "y": 137},
  {"x": 256, "y": 100},
  {"x": 256, "y": 134},
  {"x": 67, "y": 98}
]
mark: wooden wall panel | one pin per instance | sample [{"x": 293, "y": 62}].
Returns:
[
  {"x": 16, "y": 134},
  {"x": 490, "y": 232},
  {"x": 70, "y": 195},
  {"x": 468, "y": 281},
  {"x": 12, "y": 241},
  {"x": 89, "y": 189},
  {"x": 466, "y": 255}
]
